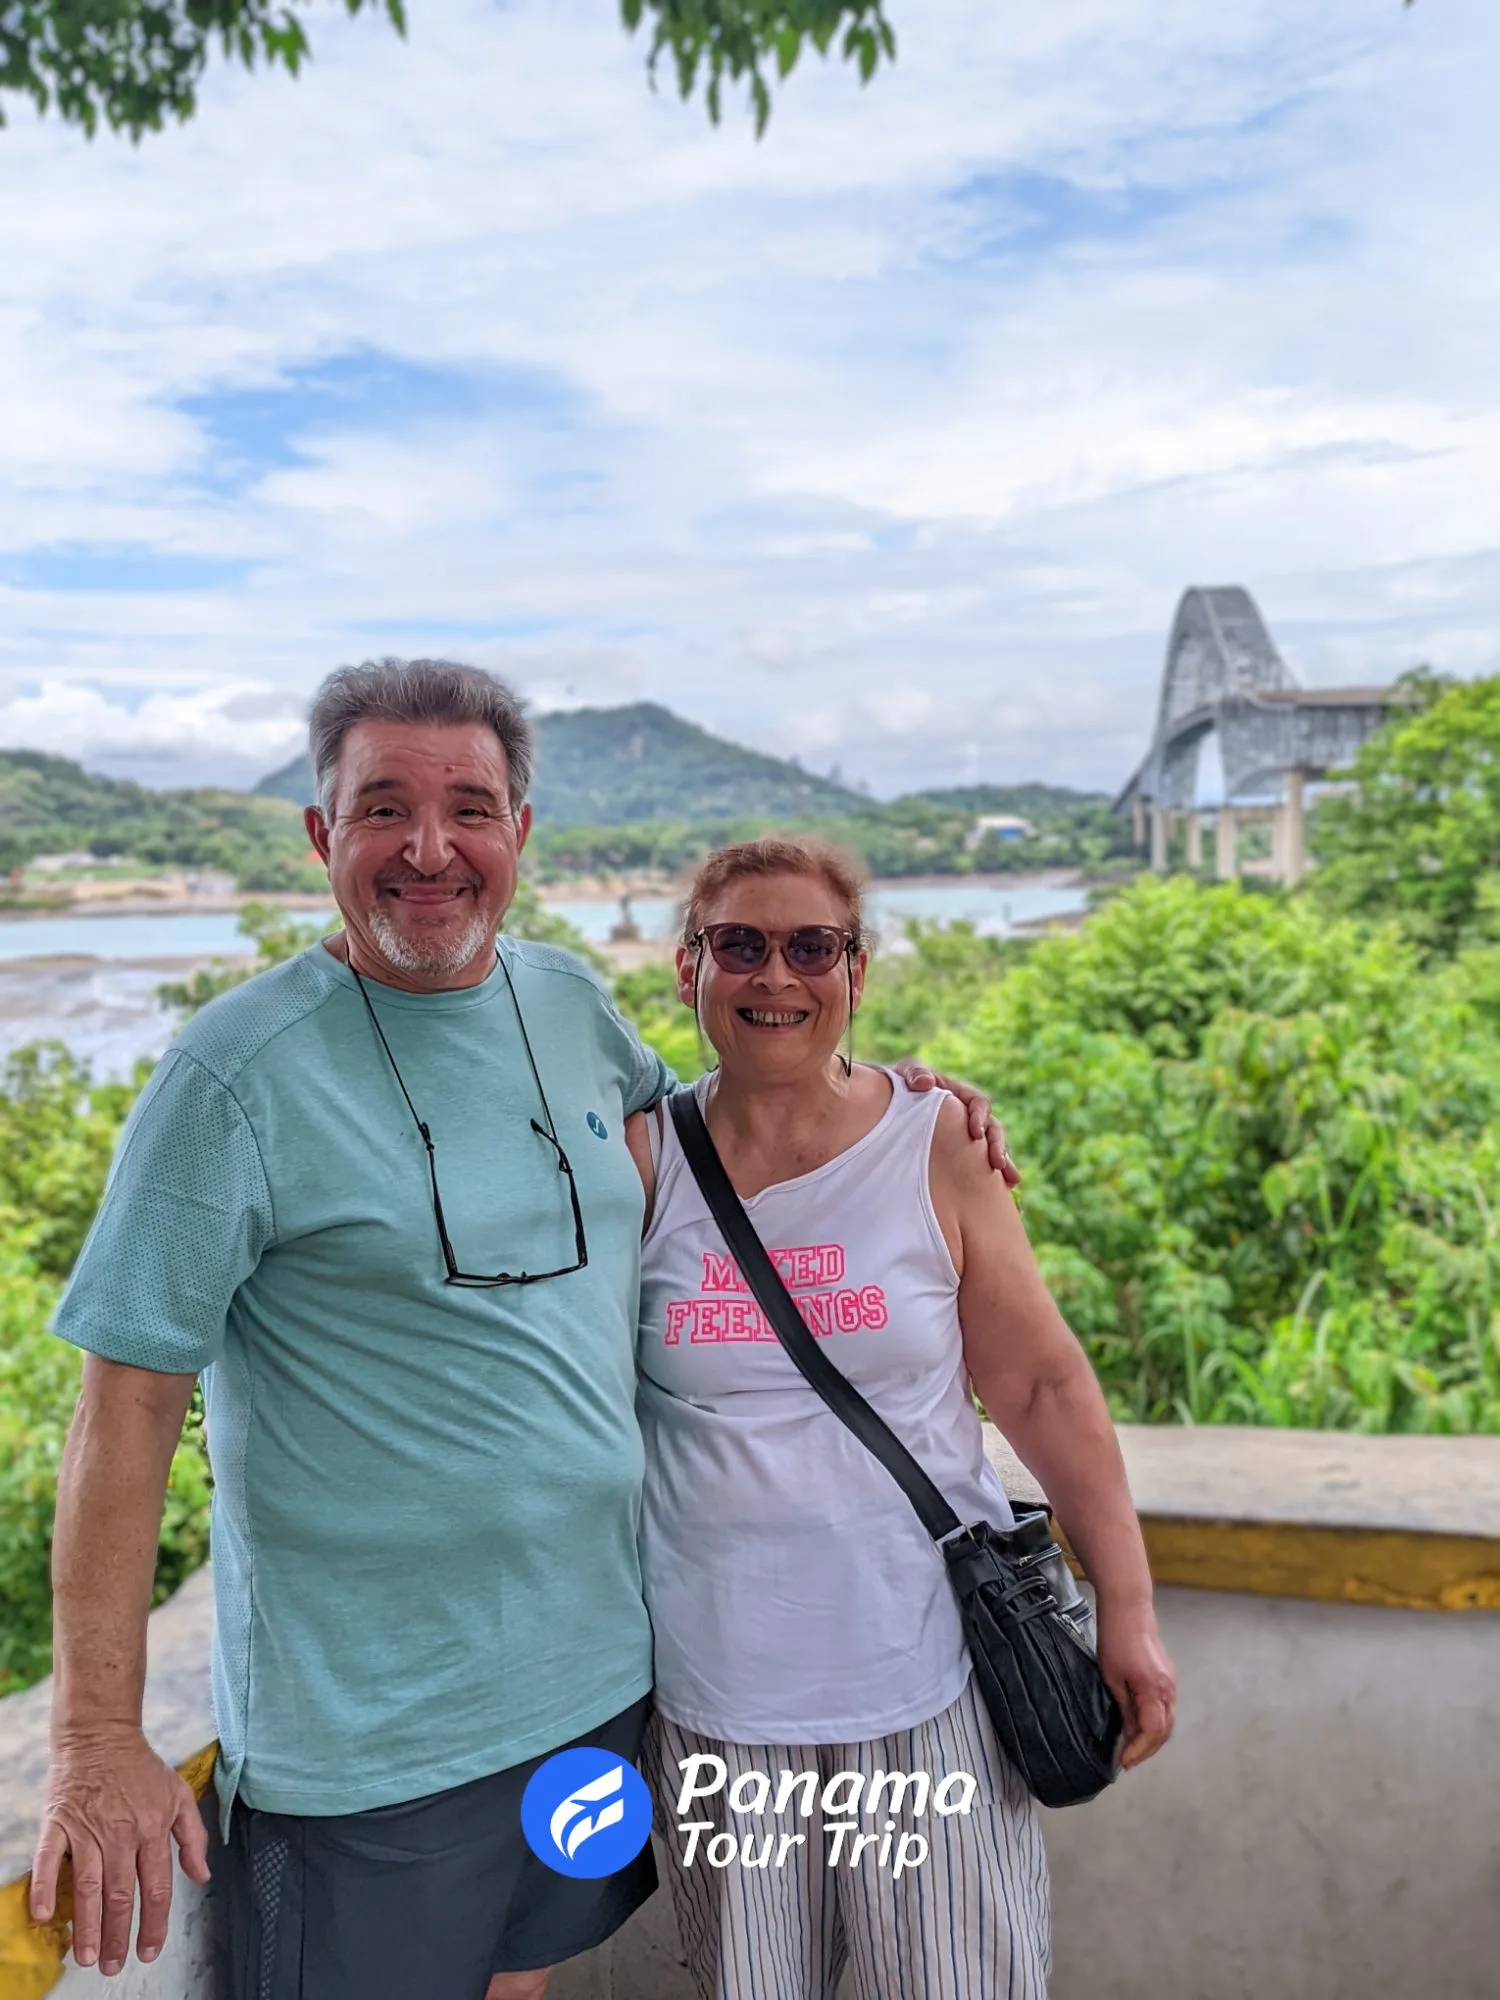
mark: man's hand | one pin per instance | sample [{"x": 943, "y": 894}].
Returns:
[
  {"x": 116, "y": 1808},
  {"x": 1141, "y": 1678},
  {"x": 917, "y": 1076}
]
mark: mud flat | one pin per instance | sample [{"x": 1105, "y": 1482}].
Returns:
[{"x": 106, "y": 1011}]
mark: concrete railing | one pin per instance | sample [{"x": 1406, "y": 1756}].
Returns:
[{"x": 1325, "y": 1823}]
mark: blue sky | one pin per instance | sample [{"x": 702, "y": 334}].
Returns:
[{"x": 888, "y": 442}]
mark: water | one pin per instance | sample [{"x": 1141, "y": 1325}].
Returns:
[
  {"x": 107, "y": 1011},
  {"x": 193, "y": 934},
  {"x": 992, "y": 904}
]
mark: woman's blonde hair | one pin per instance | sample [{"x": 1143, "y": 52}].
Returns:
[{"x": 777, "y": 854}]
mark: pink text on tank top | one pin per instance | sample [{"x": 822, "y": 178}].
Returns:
[{"x": 725, "y": 1309}]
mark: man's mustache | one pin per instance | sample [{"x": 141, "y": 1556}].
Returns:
[{"x": 394, "y": 878}]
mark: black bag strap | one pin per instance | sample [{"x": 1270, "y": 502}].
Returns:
[{"x": 776, "y": 1302}]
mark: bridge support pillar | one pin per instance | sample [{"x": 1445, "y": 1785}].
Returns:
[
  {"x": 1227, "y": 844},
  {"x": 1159, "y": 818},
  {"x": 1194, "y": 842},
  {"x": 1138, "y": 822},
  {"x": 1290, "y": 836}
]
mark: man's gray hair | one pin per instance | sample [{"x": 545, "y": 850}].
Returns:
[{"x": 417, "y": 691}]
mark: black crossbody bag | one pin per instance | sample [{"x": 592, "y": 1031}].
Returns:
[{"x": 1028, "y": 1626}]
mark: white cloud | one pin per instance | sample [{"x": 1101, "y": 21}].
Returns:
[
  {"x": 944, "y": 391},
  {"x": 244, "y": 729}
]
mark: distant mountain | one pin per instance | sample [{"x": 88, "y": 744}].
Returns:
[{"x": 614, "y": 766}]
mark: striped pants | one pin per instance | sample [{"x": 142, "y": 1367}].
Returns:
[{"x": 969, "y": 1922}]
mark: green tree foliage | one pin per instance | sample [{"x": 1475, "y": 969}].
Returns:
[
  {"x": 131, "y": 65},
  {"x": 39, "y": 1380},
  {"x": 649, "y": 998},
  {"x": 57, "y": 1134},
  {"x": 1418, "y": 837},
  {"x": 915, "y": 994}
]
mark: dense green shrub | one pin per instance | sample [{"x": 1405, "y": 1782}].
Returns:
[
  {"x": 1259, "y": 1153},
  {"x": 1417, "y": 837},
  {"x": 39, "y": 1378},
  {"x": 649, "y": 998},
  {"x": 57, "y": 1134}
]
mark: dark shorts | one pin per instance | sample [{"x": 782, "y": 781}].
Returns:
[{"x": 421, "y": 1901}]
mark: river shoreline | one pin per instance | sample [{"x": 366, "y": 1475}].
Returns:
[
  {"x": 580, "y": 889},
  {"x": 93, "y": 983}
]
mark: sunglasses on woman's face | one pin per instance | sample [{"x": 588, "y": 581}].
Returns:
[{"x": 811, "y": 949}]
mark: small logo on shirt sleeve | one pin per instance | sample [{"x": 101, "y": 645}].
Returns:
[{"x": 597, "y": 1126}]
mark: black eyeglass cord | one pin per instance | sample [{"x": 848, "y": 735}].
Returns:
[
  {"x": 547, "y": 1132},
  {"x": 550, "y": 1130}
]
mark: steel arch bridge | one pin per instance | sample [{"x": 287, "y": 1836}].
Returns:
[{"x": 1224, "y": 676}]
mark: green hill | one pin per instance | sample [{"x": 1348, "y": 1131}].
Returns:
[
  {"x": 1025, "y": 801},
  {"x": 618, "y": 789},
  {"x": 615, "y": 766},
  {"x": 50, "y": 804}
]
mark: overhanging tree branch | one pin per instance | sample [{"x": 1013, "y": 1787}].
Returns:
[
  {"x": 131, "y": 65},
  {"x": 742, "y": 38}
]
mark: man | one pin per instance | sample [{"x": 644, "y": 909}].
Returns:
[{"x": 381, "y": 1196}]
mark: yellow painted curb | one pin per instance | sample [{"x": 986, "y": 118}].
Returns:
[
  {"x": 1402, "y": 1568},
  {"x": 32, "y": 1955}
]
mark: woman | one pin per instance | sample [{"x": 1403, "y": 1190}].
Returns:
[{"x": 804, "y": 1622}]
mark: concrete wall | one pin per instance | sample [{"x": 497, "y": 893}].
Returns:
[
  {"x": 1324, "y": 1826},
  {"x": 1326, "y": 1822}
]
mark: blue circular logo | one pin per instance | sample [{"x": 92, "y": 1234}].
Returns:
[
  {"x": 586, "y": 1813},
  {"x": 597, "y": 1126}
]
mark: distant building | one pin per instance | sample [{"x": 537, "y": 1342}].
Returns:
[
  {"x": 1004, "y": 826},
  {"x": 56, "y": 864}
]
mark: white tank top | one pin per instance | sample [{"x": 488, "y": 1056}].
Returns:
[{"x": 794, "y": 1594}]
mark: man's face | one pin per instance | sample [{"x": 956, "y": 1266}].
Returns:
[{"x": 422, "y": 848}]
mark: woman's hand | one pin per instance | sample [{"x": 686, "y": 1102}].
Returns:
[{"x": 1141, "y": 1678}]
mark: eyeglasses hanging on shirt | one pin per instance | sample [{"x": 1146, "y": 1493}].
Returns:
[{"x": 469, "y": 1279}]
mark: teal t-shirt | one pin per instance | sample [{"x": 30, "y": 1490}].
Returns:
[{"x": 426, "y": 1498}]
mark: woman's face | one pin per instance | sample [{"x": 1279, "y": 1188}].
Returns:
[{"x": 775, "y": 1021}]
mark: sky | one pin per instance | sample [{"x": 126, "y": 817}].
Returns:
[{"x": 888, "y": 442}]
